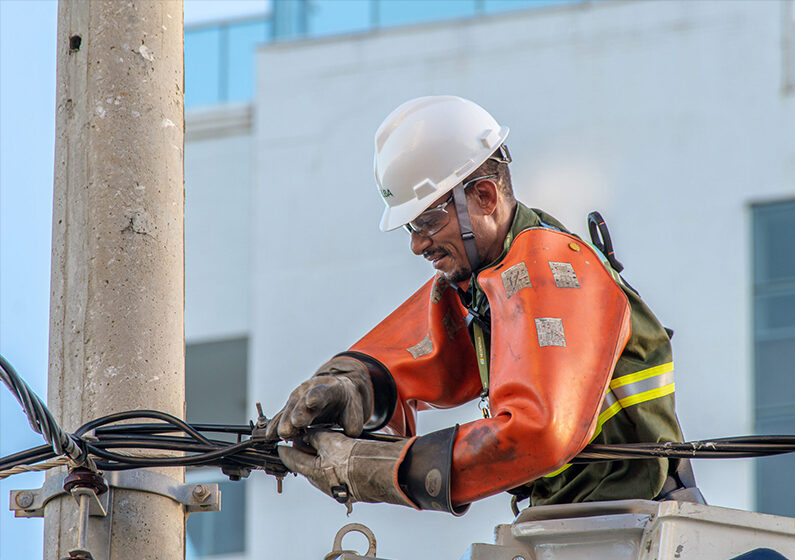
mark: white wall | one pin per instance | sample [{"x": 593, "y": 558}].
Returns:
[
  {"x": 218, "y": 160},
  {"x": 669, "y": 117}
]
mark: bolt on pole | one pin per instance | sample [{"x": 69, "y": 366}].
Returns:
[{"x": 117, "y": 284}]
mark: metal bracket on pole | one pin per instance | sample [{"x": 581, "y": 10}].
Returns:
[
  {"x": 193, "y": 497},
  {"x": 30, "y": 503}
]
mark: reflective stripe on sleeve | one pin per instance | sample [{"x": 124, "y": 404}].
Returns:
[{"x": 628, "y": 390}]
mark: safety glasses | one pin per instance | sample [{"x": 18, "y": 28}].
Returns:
[{"x": 434, "y": 219}]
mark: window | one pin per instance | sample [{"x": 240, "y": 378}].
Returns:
[
  {"x": 202, "y": 67},
  {"x": 242, "y": 41},
  {"x": 330, "y": 17},
  {"x": 774, "y": 348},
  {"x": 213, "y": 533},
  {"x": 219, "y": 59},
  {"x": 498, "y": 6},
  {"x": 215, "y": 391},
  {"x": 408, "y": 12},
  {"x": 215, "y": 382}
]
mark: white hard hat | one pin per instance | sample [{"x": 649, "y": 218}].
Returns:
[{"x": 426, "y": 147}]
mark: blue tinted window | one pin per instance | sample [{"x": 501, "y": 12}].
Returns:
[
  {"x": 212, "y": 398},
  {"x": 215, "y": 398},
  {"x": 774, "y": 348},
  {"x": 289, "y": 18},
  {"x": 219, "y": 532},
  {"x": 775, "y": 311},
  {"x": 202, "y": 66},
  {"x": 496, "y": 6},
  {"x": 329, "y": 17},
  {"x": 404, "y": 12},
  {"x": 775, "y": 384},
  {"x": 774, "y": 231},
  {"x": 775, "y": 492},
  {"x": 241, "y": 50},
  {"x": 219, "y": 61}
]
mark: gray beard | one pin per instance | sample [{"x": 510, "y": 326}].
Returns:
[{"x": 458, "y": 275}]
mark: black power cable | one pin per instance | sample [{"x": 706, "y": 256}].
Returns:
[{"x": 100, "y": 441}]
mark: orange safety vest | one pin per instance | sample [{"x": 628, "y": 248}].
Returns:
[{"x": 559, "y": 323}]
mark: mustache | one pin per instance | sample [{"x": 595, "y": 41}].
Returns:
[{"x": 433, "y": 254}]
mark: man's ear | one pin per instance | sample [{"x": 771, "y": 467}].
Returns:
[{"x": 486, "y": 195}]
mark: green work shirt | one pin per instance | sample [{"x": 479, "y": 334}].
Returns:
[{"x": 639, "y": 406}]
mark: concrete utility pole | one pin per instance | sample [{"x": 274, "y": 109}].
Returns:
[{"x": 117, "y": 308}]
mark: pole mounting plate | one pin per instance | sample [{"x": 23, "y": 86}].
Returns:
[{"x": 193, "y": 497}]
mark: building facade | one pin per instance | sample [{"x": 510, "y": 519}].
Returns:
[{"x": 676, "y": 120}]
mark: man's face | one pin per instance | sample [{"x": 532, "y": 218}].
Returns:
[{"x": 444, "y": 249}]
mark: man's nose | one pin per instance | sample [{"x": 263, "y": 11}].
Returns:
[{"x": 419, "y": 243}]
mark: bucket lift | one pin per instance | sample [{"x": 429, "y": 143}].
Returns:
[{"x": 628, "y": 530}]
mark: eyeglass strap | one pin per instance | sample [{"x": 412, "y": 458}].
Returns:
[{"x": 465, "y": 224}]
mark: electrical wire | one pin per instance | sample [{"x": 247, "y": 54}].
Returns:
[
  {"x": 731, "y": 447},
  {"x": 41, "y": 419},
  {"x": 107, "y": 444}
]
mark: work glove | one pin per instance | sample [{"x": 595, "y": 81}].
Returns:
[
  {"x": 339, "y": 393},
  {"x": 350, "y": 470}
]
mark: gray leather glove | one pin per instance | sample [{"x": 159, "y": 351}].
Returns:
[
  {"x": 350, "y": 470},
  {"x": 340, "y": 393}
]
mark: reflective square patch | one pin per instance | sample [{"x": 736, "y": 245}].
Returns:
[
  {"x": 564, "y": 275},
  {"x": 515, "y": 278},
  {"x": 550, "y": 332},
  {"x": 422, "y": 348}
]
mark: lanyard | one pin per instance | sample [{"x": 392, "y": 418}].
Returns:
[
  {"x": 480, "y": 348},
  {"x": 483, "y": 368}
]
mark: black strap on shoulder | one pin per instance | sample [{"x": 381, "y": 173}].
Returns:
[{"x": 600, "y": 237}]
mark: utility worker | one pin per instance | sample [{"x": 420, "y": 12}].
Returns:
[{"x": 520, "y": 313}]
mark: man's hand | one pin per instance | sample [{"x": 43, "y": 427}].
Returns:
[
  {"x": 350, "y": 470},
  {"x": 340, "y": 393}
]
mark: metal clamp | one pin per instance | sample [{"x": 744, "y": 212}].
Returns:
[
  {"x": 30, "y": 503},
  {"x": 194, "y": 497}
]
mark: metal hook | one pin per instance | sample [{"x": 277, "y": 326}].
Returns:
[{"x": 338, "y": 551}]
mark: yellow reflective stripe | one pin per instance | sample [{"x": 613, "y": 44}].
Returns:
[
  {"x": 641, "y": 386},
  {"x": 631, "y": 400},
  {"x": 557, "y": 472},
  {"x": 640, "y": 375},
  {"x": 626, "y": 402},
  {"x": 649, "y": 395},
  {"x": 606, "y": 415}
]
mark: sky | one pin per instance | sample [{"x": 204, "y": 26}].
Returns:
[{"x": 27, "y": 144}]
